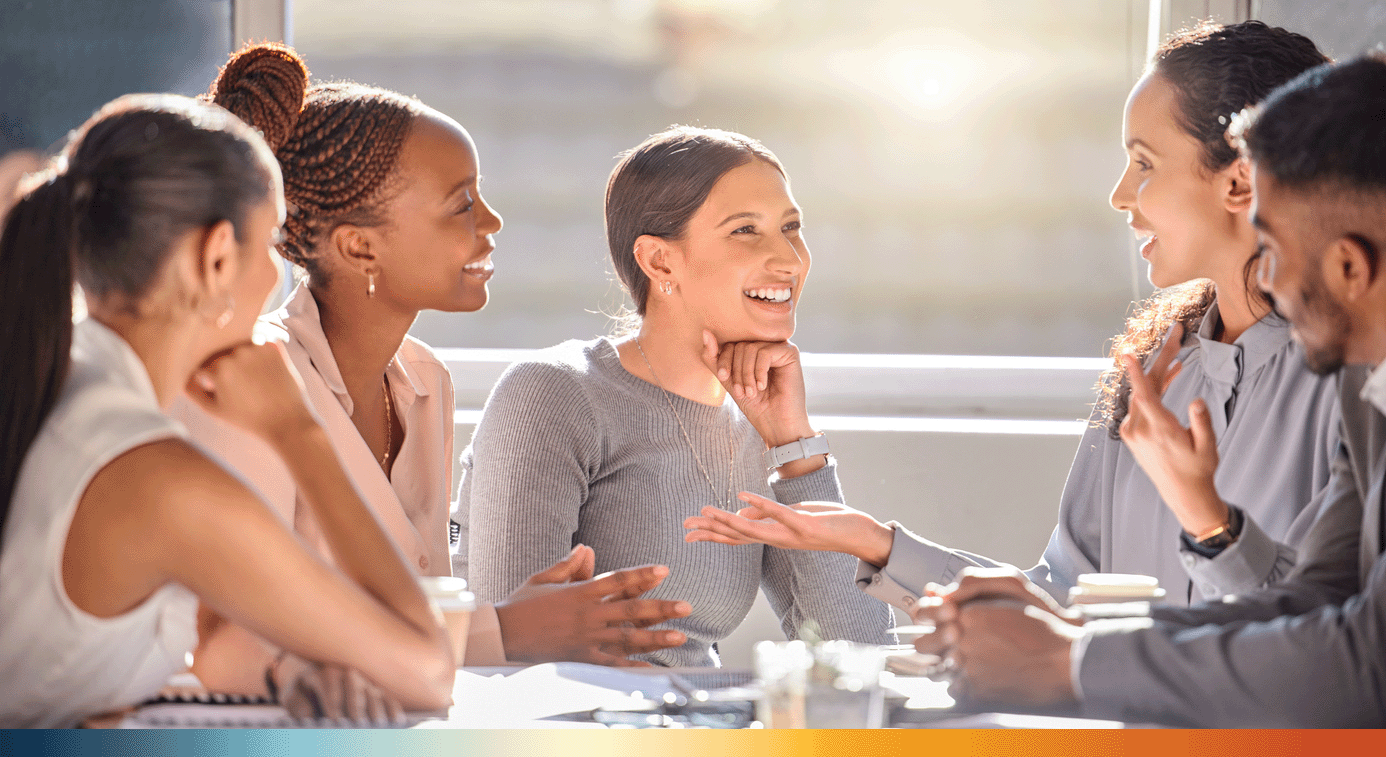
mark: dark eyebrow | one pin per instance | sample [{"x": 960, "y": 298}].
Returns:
[
  {"x": 748, "y": 214},
  {"x": 738, "y": 216}
]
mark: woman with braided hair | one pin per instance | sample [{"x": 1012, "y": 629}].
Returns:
[
  {"x": 113, "y": 524},
  {"x": 386, "y": 219}
]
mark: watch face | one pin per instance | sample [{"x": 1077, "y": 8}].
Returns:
[{"x": 1219, "y": 540}]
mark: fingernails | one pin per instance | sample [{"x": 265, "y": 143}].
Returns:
[
  {"x": 683, "y": 608},
  {"x": 661, "y": 571},
  {"x": 761, "y": 385},
  {"x": 205, "y": 381},
  {"x": 673, "y": 637},
  {"x": 723, "y": 374},
  {"x": 949, "y": 634}
]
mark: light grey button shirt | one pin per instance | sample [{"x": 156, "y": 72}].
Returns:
[{"x": 1277, "y": 429}]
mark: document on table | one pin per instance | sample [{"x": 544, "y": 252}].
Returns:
[{"x": 541, "y": 691}]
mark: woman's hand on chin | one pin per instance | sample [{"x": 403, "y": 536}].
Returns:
[
  {"x": 254, "y": 386},
  {"x": 767, "y": 382}
]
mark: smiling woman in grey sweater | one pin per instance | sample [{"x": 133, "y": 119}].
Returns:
[{"x": 614, "y": 442}]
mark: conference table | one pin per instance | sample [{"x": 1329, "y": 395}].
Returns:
[{"x": 580, "y": 696}]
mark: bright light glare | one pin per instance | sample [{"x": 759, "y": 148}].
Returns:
[
  {"x": 928, "y": 79},
  {"x": 932, "y": 73}
]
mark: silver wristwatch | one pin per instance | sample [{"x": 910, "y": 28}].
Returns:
[{"x": 796, "y": 450}]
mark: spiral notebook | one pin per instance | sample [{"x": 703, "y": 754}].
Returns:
[{"x": 216, "y": 710}]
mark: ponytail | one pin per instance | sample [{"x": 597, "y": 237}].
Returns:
[
  {"x": 143, "y": 171},
  {"x": 35, "y": 320}
]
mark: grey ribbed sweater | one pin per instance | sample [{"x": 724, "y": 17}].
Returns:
[{"x": 572, "y": 448}]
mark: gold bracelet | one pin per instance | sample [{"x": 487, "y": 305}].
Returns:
[{"x": 1210, "y": 533}]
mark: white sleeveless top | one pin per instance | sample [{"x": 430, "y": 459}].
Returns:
[{"x": 59, "y": 664}]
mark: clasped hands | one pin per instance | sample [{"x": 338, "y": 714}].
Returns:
[{"x": 1002, "y": 638}]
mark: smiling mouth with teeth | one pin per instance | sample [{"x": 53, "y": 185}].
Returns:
[
  {"x": 769, "y": 294},
  {"x": 480, "y": 266}
]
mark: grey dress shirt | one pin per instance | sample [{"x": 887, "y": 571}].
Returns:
[
  {"x": 1308, "y": 652},
  {"x": 1277, "y": 427},
  {"x": 572, "y": 448}
]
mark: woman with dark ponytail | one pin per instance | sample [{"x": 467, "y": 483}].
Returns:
[
  {"x": 386, "y": 219},
  {"x": 115, "y": 525},
  {"x": 1238, "y": 377}
]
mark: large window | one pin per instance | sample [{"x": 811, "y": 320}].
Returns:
[{"x": 953, "y": 159}]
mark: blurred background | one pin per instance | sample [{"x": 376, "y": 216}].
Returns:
[{"x": 953, "y": 159}]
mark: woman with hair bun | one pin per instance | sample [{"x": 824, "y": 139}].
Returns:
[
  {"x": 386, "y": 218},
  {"x": 114, "y": 524},
  {"x": 1209, "y": 342},
  {"x": 614, "y": 442}
]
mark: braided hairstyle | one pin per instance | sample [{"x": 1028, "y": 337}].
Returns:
[
  {"x": 1216, "y": 71},
  {"x": 338, "y": 144}
]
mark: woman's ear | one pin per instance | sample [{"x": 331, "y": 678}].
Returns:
[
  {"x": 350, "y": 247},
  {"x": 218, "y": 261},
  {"x": 657, "y": 258},
  {"x": 1237, "y": 198}
]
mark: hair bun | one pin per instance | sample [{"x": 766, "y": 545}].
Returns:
[{"x": 264, "y": 85}]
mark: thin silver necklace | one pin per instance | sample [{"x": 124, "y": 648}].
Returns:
[{"x": 725, "y": 503}]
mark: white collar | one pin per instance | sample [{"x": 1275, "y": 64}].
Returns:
[{"x": 1374, "y": 390}]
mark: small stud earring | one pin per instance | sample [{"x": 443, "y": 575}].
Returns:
[
  {"x": 370, "y": 284},
  {"x": 666, "y": 287},
  {"x": 227, "y": 314}
]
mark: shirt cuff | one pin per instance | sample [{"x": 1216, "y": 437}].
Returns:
[
  {"x": 485, "y": 647},
  {"x": 1106, "y": 675},
  {"x": 1243, "y": 565},
  {"x": 914, "y": 562},
  {"x": 819, "y": 486}
]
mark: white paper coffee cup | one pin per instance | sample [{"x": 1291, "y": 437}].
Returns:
[
  {"x": 1104, "y": 588},
  {"x": 454, "y": 606}
]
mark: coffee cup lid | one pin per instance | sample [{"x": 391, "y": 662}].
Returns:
[{"x": 1118, "y": 584}]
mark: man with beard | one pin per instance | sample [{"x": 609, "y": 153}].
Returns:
[{"x": 1310, "y": 651}]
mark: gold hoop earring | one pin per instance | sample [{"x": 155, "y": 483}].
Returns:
[
  {"x": 370, "y": 284},
  {"x": 667, "y": 287},
  {"x": 228, "y": 313}
]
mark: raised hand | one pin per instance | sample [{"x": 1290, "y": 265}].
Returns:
[
  {"x": 601, "y": 620},
  {"x": 1180, "y": 461},
  {"x": 818, "y": 526}
]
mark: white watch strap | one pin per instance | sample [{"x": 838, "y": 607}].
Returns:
[{"x": 796, "y": 450}]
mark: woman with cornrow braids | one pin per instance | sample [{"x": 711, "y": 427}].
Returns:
[
  {"x": 115, "y": 524},
  {"x": 385, "y": 217}
]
